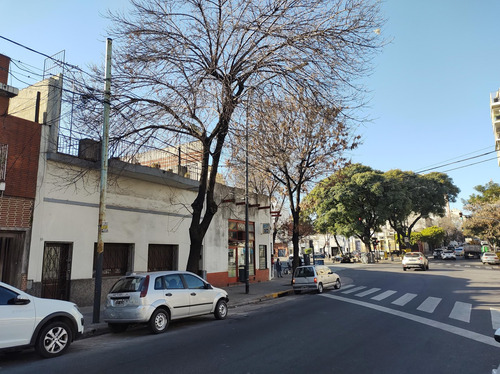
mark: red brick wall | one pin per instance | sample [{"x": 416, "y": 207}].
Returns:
[
  {"x": 4, "y": 68},
  {"x": 15, "y": 212},
  {"x": 23, "y": 139}
]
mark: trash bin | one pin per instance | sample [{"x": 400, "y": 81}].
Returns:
[{"x": 242, "y": 273}]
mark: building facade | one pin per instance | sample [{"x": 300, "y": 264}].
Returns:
[{"x": 147, "y": 212}]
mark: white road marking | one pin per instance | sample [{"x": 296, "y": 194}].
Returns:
[
  {"x": 383, "y": 295},
  {"x": 461, "y": 311},
  {"x": 405, "y": 299},
  {"x": 429, "y": 305},
  {"x": 355, "y": 289},
  {"x": 347, "y": 286},
  {"x": 367, "y": 292},
  {"x": 439, "y": 325},
  {"x": 495, "y": 318}
]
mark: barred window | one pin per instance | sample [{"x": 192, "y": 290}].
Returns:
[{"x": 117, "y": 259}]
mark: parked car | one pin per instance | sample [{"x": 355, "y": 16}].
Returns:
[
  {"x": 459, "y": 251},
  {"x": 48, "y": 325},
  {"x": 315, "y": 278},
  {"x": 437, "y": 253},
  {"x": 490, "y": 258},
  {"x": 156, "y": 298},
  {"x": 448, "y": 254},
  {"x": 415, "y": 260}
]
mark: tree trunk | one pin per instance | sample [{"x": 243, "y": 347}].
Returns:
[{"x": 205, "y": 197}]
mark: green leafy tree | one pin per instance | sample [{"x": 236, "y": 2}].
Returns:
[
  {"x": 416, "y": 197},
  {"x": 352, "y": 202},
  {"x": 484, "y": 220},
  {"x": 433, "y": 236}
]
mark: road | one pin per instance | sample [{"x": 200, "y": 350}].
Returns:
[{"x": 382, "y": 320}]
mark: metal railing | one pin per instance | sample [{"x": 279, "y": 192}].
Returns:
[{"x": 184, "y": 160}]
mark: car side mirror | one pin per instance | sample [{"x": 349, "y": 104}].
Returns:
[
  {"x": 18, "y": 301},
  {"x": 497, "y": 335},
  {"x": 208, "y": 286}
]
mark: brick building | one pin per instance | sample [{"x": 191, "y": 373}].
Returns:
[{"x": 19, "y": 155}]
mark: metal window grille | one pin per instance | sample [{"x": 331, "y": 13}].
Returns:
[{"x": 162, "y": 257}]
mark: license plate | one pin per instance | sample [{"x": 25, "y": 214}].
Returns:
[{"x": 119, "y": 302}]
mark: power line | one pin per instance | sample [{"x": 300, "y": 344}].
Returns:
[
  {"x": 456, "y": 162},
  {"x": 474, "y": 163}
]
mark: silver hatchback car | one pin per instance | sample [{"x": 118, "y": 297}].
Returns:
[
  {"x": 157, "y": 298},
  {"x": 314, "y": 278}
]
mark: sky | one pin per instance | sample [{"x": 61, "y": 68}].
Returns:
[{"x": 429, "y": 90}]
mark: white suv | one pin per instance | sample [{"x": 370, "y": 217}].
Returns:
[
  {"x": 157, "y": 298},
  {"x": 415, "y": 260},
  {"x": 46, "y": 324}
]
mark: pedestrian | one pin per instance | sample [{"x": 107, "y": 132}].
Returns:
[{"x": 278, "y": 268}]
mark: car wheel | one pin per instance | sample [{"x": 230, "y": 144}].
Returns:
[
  {"x": 117, "y": 327},
  {"x": 54, "y": 339},
  {"x": 422, "y": 267},
  {"x": 427, "y": 267},
  {"x": 221, "y": 309},
  {"x": 320, "y": 287},
  {"x": 158, "y": 322},
  {"x": 296, "y": 292},
  {"x": 404, "y": 269},
  {"x": 337, "y": 284}
]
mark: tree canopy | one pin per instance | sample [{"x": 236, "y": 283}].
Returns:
[
  {"x": 359, "y": 200},
  {"x": 484, "y": 220},
  {"x": 188, "y": 68}
]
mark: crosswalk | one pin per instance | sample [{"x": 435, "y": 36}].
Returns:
[
  {"x": 460, "y": 311},
  {"x": 462, "y": 265}
]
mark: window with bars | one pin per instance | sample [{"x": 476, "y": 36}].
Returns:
[
  {"x": 162, "y": 257},
  {"x": 116, "y": 260}
]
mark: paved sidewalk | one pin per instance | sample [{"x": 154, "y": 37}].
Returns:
[{"x": 261, "y": 291}]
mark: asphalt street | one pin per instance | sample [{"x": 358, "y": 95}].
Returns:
[{"x": 382, "y": 320}]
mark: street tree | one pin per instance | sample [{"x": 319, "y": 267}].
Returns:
[
  {"x": 183, "y": 69},
  {"x": 415, "y": 197},
  {"x": 433, "y": 236},
  {"x": 352, "y": 202},
  {"x": 294, "y": 141},
  {"x": 359, "y": 200},
  {"x": 484, "y": 220}
]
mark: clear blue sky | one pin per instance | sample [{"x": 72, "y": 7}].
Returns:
[{"x": 429, "y": 89}]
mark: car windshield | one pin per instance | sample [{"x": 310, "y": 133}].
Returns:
[
  {"x": 128, "y": 284},
  {"x": 304, "y": 272}
]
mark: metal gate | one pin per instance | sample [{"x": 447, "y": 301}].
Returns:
[
  {"x": 11, "y": 257},
  {"x": 56, "y": 271}
]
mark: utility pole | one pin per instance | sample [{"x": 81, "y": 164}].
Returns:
[
  {"x": 247, "y": 249},
  {"x": 102, "y": 224}
]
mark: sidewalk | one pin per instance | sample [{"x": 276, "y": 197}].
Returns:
[{"x": 276, "y": 287}]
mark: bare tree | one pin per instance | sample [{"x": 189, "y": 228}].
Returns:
[
  {"x": 297, "y": 142},
  {"x": 184, "y": 68}
]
